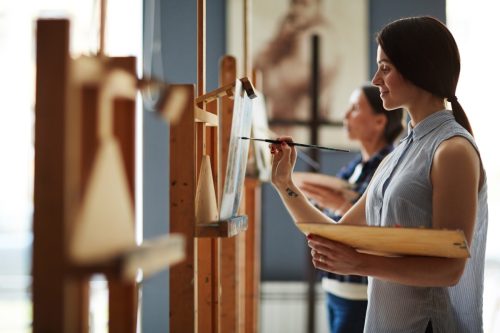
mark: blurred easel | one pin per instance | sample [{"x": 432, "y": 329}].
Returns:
[
  {"x": 208, "y": 291},
  {"x": 85, "y": 186}
]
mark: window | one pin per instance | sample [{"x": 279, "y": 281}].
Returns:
[
  {"x": 17, "y": 86},
  {"x": 475, "y": 26}
]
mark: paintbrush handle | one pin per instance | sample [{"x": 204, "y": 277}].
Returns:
[
  {"x": 317, "y": 147},
  {"x": 296, "y": 144}
]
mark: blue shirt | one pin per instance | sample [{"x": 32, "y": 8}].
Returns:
[{"x": 401, "y": 193}]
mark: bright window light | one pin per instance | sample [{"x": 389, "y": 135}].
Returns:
[
  {"x": 475, "y": 26},
  {"x": 17, "y": 91}
]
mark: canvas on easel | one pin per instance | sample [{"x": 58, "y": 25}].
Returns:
[
  {"x": 238, "y": 152},
  {"x": 259, "y": 164}
]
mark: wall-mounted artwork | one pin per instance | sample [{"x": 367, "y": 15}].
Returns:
[
  {"x": 282, "y": 43},
  {"x": 238, "y": 153},
  {"x": 281, "y": 49}
]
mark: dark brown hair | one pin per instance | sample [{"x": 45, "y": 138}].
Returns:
[
  {"x": 394, "y": 124},
  {"x": 424, "y": 51}
]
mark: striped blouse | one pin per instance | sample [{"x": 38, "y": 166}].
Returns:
[{"x": 401, "y": 193}]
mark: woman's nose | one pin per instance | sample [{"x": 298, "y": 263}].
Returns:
[
  {"x": 376, "y": 79},
  {"x": 348, "y": 114}
]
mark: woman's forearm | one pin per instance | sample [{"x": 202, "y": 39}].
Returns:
[
  {"x": 414, "y": 271},
  {"x": 299, "y": 206}
]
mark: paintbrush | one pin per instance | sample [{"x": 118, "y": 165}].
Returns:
[{"x": 294, "y": 144}]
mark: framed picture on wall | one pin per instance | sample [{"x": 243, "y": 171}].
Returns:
[{"x": 281, "y": 42}]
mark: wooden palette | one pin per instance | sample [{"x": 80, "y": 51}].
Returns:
[
  {"x": 389, "y": 241},
  {"x": 330, "y": 182}
]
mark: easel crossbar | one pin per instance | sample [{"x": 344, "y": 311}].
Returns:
[
  {"x": 202, "y": 116},
  {"x": 227, "y": 90},
  {"x": 223, "y": 229}
]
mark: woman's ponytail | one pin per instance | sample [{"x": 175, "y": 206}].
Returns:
[{"x": 459, "y": 114}]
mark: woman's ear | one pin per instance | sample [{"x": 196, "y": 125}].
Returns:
[{"x": 381, "y": 121}]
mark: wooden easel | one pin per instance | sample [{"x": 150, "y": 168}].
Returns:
[
  {"x": 253, "y": 197},
  {"x": 197, "y": 285},
  {"x": 68, "y": 114},
  {"x": 208, "y": 291}
]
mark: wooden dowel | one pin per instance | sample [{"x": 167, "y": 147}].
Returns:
[
  {"x": 226, "y": 90},
  {"x": 247, "y": 37},
  {"x": 182, "y": 217},
  {"x": 102, "y": 28},
  {"x": 201, "y": 42},
  {"x": 123, "y": 296}
]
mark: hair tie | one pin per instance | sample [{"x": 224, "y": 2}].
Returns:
[{"x": 452, "y": 99}]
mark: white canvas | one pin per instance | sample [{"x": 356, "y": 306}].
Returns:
[{"x": 238, "y": 153}]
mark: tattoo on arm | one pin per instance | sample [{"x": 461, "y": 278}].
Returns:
[{"x": 291, "y": 193}]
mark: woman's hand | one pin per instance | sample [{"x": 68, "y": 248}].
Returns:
[
  {"x": 325, "y": 197},
  {"x": 283, "y": 162},
  {"x": 334, "y": 257}
]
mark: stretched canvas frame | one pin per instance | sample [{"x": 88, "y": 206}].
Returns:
[
  {"x": 260, "y": 129},
  {"x": 238, "y": 153}
]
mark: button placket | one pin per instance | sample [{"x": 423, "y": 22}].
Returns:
[{"x": 395, "y": 166}]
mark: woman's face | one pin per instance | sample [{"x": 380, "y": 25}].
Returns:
[
  {"x": 360, "y": 121},
  {"x": 395, "y": 91}
]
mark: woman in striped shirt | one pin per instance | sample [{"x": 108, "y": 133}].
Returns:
[
  {"x": 375, "y": 129},
  {"x": 433, "y": 179}
]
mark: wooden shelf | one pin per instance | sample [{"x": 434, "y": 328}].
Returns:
[
  {"x": 223, "y": 229},
  {"x": 151, "y": 257}
]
